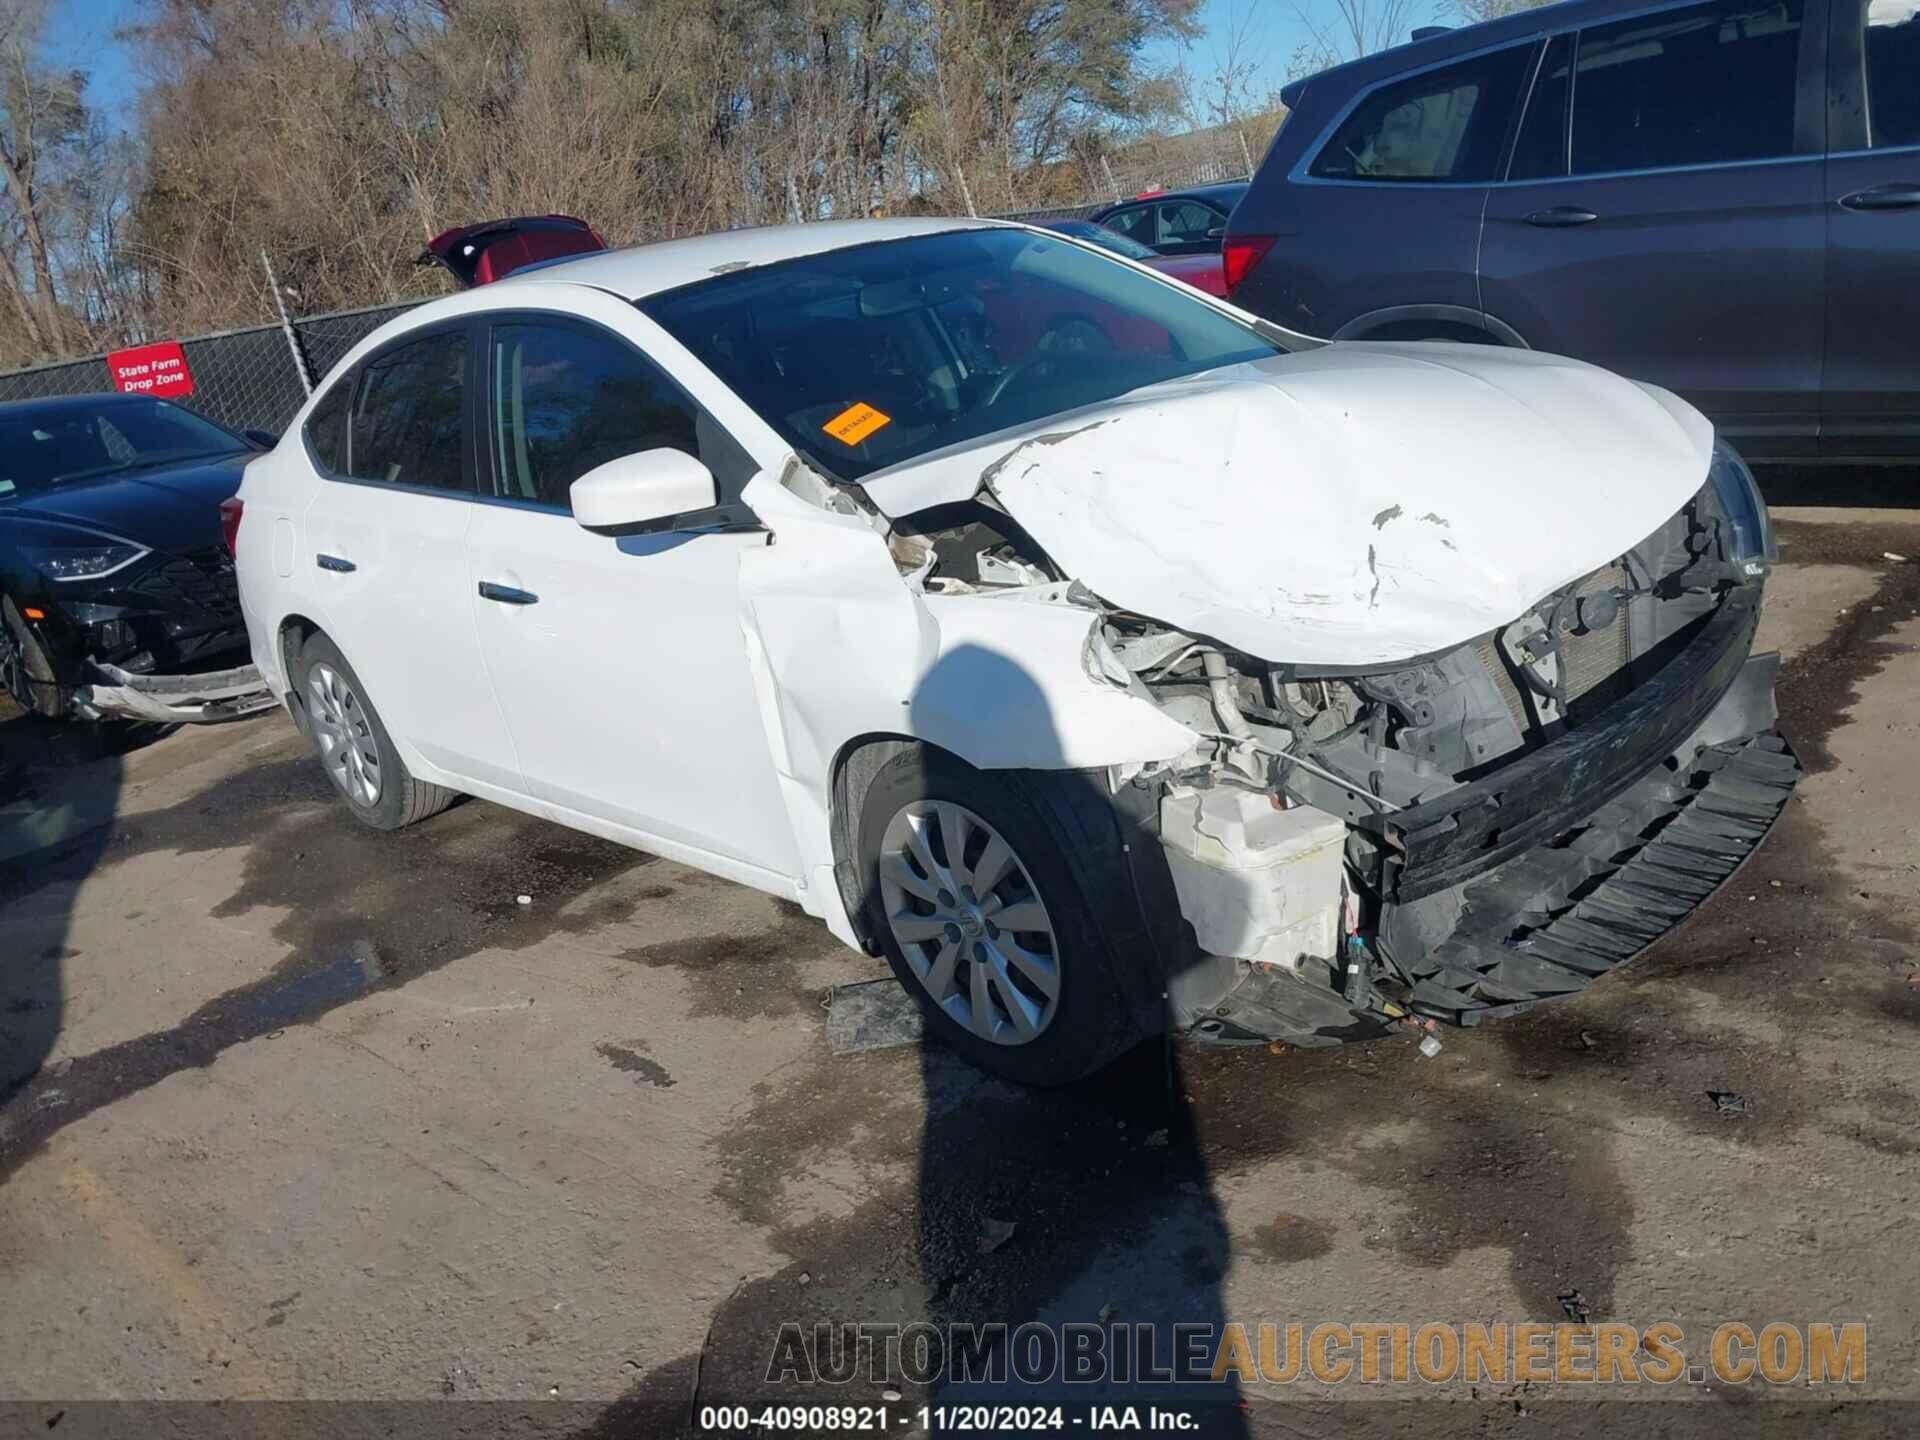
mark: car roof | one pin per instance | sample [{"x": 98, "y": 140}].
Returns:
[
  {"x": 1223, "y": 190},
  {"x": 1446, "y": 43},
  {"x": 642, "y": 270}
]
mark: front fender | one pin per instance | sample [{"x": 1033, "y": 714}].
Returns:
[{"x": 841, "y": 647}]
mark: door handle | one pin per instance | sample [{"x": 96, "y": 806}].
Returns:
[
  {"x": 1884, "y": 197},
  {"x": 1561, "y": 217},
  {"x": 506, "y": 594},
  {"x": 335, "y": 564}
]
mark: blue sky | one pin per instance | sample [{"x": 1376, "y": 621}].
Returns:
[
  {"x": 1270, "y": 31},
  {"x": 82, "y": 33}
]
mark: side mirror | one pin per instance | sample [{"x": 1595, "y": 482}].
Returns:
[
  {"x": 1217, "y": 232},
  {"x": 265, "y": 439},
  {"x": 645, "y": 491}
]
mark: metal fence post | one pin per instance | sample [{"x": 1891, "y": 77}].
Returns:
[{"x": 286, "y": 326}]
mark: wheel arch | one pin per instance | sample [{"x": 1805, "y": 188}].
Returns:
[
  {"x": 854, "y": 765},
  {"x": 1453, "y": 322},
  {"x": 294, "y": 631}
]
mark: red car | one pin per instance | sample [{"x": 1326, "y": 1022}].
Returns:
[
  {"x": 1203, "y": 272},
  {"x": 493, "y": 249}
]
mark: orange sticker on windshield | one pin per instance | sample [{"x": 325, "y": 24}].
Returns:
[{"x": 856, "y": 423}]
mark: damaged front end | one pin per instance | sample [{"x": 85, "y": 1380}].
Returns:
[
  {"x": 1458, "y": 837},
  {"x": 192, "y": 699},
  {"x": 156, "y": 640}
]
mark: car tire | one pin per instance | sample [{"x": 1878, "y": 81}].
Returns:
[
  {"x": 28, "y": 671},
  {"x": 355, "y": 751},
  {"x": 917, "y": 915}
]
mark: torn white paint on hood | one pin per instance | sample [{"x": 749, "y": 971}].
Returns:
[{"x": 1353, "y": 505}]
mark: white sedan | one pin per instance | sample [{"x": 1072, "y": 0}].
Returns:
[{"x": 1109, "y": 660}]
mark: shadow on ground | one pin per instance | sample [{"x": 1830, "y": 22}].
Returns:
[{"x": 60, "y": 784}]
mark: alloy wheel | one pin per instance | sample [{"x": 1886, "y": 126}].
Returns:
[
  {"x": 968, "y": 919},
  {"x": 344, "y": 732}
]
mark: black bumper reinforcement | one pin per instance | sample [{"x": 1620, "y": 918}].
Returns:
[
  {"x": 1468, "y": 831},
  {"x": 1554, "y": 921},
  {"x": 1548, "y": 923}
]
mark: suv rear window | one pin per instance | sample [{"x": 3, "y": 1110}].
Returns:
[
  {"x": 1446, "y": 124},
  {"x": 1708, "y": 85}
]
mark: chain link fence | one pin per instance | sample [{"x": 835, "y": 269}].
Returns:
[
  {"x": 248, "y": 379},
  {"x": 245, "y": 379}
]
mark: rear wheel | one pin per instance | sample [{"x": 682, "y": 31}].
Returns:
[
  {"x": 989, "y": 921},
  {"x": 26, "y": 672},
  {"x": 356, "y": 752}
]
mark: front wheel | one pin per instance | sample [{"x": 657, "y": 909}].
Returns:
[
  {"x": 989, "y": 921},
  {"x": 26, "y": 672},
  {"x": 356, "y": 752}
]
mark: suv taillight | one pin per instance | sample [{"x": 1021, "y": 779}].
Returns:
[
  {"x": 1240, "y": 253},
  {"x": 230, "y": 512}
]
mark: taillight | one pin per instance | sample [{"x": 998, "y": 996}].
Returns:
[
  {"x": 1240, "y": 253},
  {"x": 230, "y": 512}
]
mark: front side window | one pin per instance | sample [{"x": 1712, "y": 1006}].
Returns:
[
  {"x": 1444, "y": 125},
  {"x": 1186, "y": 222},
  {"x": 876, "y": 354},
  {"x": 1708, "y": 85},
  {"x": 567, "y": 399},
  {"x": 409, "y": 415},
  {"x": 1893, "y": 73}
]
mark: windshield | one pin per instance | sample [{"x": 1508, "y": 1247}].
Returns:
[
  {"x": 1106, "y": 239},
  {"x": 64, "y": 442},
  {"x": 874, "y": 355}
]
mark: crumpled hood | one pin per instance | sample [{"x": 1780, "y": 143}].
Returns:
[{"x": 1358, "y": 504}]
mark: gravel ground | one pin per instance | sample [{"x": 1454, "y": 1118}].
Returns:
[{"x": 293, "y": 1111}]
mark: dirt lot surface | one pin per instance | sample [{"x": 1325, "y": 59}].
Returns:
[{"x": 293, "y": 1110}]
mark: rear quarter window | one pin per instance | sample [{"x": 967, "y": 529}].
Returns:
[
  {"x": 1445, "y": 125},
  {"x": 327, "y": 424}
]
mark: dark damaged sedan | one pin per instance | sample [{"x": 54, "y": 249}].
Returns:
[{"x": 116, "y": 582}]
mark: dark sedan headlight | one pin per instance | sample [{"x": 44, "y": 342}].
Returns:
[
  {"x": 81, "y": 562},
  {"x": 1751, "y": 545}
]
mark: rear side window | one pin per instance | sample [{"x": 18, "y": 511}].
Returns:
[
  {"x": 409, "y": 415},
  {"x": 1540, "y": 150},
  {"x": 326, "y": 427},
  {"x": 1441, "y": 125},
  {"x": 1893, "y": 73},
  {"x": 1708, "y": 85},
  {"x": 567, "y": 399}
]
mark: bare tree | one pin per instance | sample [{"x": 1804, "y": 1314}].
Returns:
[
  {"x": 1353, "y": 29},
  {"x": 41, "y": 118},
  {"x": 338, "y": 135},
  {"x": 1476, "y": 11}
]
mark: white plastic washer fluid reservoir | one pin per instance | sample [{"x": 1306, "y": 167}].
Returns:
[{"x": 1255, "y": 882}]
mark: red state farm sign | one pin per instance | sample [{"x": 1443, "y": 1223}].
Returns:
[{"x": 156, "y": 369}]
